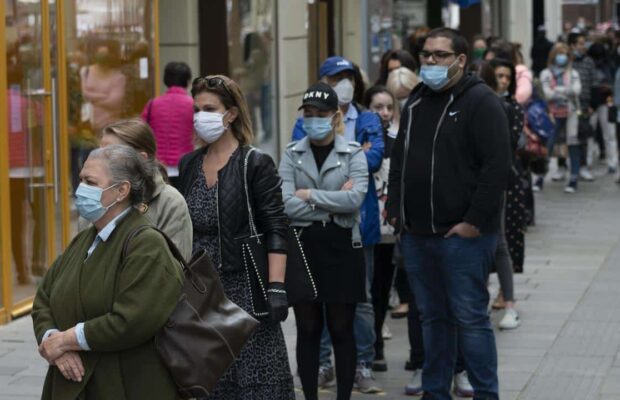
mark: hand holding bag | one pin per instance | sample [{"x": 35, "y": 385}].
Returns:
[
  {"x": 206, "y": 332},
  {"x": 299, "y": 282}
]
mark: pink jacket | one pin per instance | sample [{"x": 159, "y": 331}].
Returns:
[
  {"x": 171, "y": 116},
  {"x": 524, "y": 84}
]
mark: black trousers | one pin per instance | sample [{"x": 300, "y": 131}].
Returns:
[{"x": 381, "y": 286}]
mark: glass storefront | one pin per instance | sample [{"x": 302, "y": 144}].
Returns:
[
  {"x": 110, "y": 70},
  {"x": 29, "y": 183},
  {"x": 63, "y": 86}
]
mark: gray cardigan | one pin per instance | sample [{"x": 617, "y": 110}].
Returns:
[{"x": 298, "y": 170}]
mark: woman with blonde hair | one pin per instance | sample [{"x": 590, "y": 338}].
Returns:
[
  {"x": 166, "y": 207},
  {"x": 401, "y": 82},
  {"x": 562, "y": 86},
  {"x": 212, "y": 179}
]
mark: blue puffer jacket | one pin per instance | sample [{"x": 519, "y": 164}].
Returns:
[{"x": 367, "y": 129}]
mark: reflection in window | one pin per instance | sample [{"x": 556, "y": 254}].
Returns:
[
  {"x": 250, "y": 34},
  {"x": 110, "y": 68}
]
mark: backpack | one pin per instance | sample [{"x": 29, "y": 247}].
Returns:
[{"x": 538, "y": 119}]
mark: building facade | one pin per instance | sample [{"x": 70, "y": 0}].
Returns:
[{"x": 68, "y": 67}]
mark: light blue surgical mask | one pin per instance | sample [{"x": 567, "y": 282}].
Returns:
[
  {"x": 561, "y": 60},
  {"x": 436, "y": 76},
  {"x": 317, "y": 128},
  {"x": 88, "y": 202}
]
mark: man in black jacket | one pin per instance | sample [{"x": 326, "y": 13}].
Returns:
[
  {"x": 540, "y": 50},
  {"x": 448, "y": 172}
]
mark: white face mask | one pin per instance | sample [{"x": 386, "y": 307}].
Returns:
[
  {"x": 209, "y": 125},
  {"x": 344, "y": 89}
]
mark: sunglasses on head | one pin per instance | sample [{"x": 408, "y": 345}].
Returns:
[{"x": 212, "y": 83}]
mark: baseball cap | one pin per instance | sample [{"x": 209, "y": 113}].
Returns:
[
  {"x": 321, "y": 96},
  {"x": 334, "y": 65}
]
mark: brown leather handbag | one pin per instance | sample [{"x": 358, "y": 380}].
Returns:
[{"x": 206, "y": 332}]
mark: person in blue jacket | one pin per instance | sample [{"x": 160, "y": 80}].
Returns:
[{"x": 365, "y": 128}]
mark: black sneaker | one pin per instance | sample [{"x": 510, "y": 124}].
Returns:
[{"x": 379, "y": 365}]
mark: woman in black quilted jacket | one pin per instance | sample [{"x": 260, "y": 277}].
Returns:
[{"x": 212, "y": 181}]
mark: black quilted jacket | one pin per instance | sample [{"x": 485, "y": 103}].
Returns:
[{"x": 266, "y": 196}]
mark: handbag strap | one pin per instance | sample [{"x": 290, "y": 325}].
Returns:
[
  {"x": 148, "y": 112},
  {"x": 173, "y": 248},
  {"x": 246, "y": 159}
]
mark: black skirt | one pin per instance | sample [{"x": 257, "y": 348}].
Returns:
[{"x": 338, "y": 268}]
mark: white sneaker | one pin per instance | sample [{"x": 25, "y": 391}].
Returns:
[
  {"x": 559, "y": 175},
  {"x": 585, "y": 174},
  {"x": 327, "y": 377},
  {"x": 386, "y": 333},
  {"x": 462, "y": 387},
  {"x": 511, "y": 319},
  {"x": 365, "y": 381},
  {"x": 414, "y": 387}
]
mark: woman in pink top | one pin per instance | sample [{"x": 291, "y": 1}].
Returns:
[{"x": 171, "y": 116}]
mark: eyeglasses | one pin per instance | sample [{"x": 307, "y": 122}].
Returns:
[{"x": 437, "y": 55}]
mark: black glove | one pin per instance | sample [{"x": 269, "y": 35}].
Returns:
[{"x": 278, "y": 304}]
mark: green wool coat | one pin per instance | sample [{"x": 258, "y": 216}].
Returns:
[{"x": 123, "y": 304}]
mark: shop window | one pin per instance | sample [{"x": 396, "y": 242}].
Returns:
[
  {"x": 110, "y": 68},
  {"x": 252, "y": 65}
]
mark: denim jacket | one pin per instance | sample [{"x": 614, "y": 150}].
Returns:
[{"x": 327, "y": 202}]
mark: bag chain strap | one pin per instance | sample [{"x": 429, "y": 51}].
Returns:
[{"x": 253, "y": 231}]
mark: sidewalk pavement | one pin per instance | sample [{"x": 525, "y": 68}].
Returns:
[{"x": 569, "y": 300}]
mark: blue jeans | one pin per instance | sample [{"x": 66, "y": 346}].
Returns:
[
  {"x": 574, "y": 154},
  {"x": 363, "y": 325},
  {"x": 449, "y": 279}
]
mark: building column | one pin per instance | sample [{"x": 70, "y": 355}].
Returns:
[
  {"x": 518, "y": 25},
  {"x": 292, "y": 63},
  {"x": 178, "y": 34},
  {"x": 553, "y": 19}
]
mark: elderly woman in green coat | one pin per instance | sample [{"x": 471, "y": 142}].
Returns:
[{"x": 96, "y": 312}]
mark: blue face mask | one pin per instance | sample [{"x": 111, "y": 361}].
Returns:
[
  {"x": 88, "y": 202},
  {"x": 317, "y": 128},
  {"x": 435, "y": 76},
  {"x": 561, "y": 60}
]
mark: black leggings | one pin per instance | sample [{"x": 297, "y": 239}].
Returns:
[
  {"x": 381, "y": 287},
  {"x": 309, "y": 318}
]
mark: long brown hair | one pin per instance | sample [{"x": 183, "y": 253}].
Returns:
[
  {"x": 230, "y": 95},
  {"x": 137, "y": 134}
]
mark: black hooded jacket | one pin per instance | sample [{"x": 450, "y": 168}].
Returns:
[{"x": 451, "y": 160}]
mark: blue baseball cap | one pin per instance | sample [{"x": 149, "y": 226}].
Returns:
[{"x": 334, "y": 65}]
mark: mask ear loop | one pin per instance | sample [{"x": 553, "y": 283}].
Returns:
[
  {"x": 451, "y": 65},
  {"x": 227, "y": 126}
]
